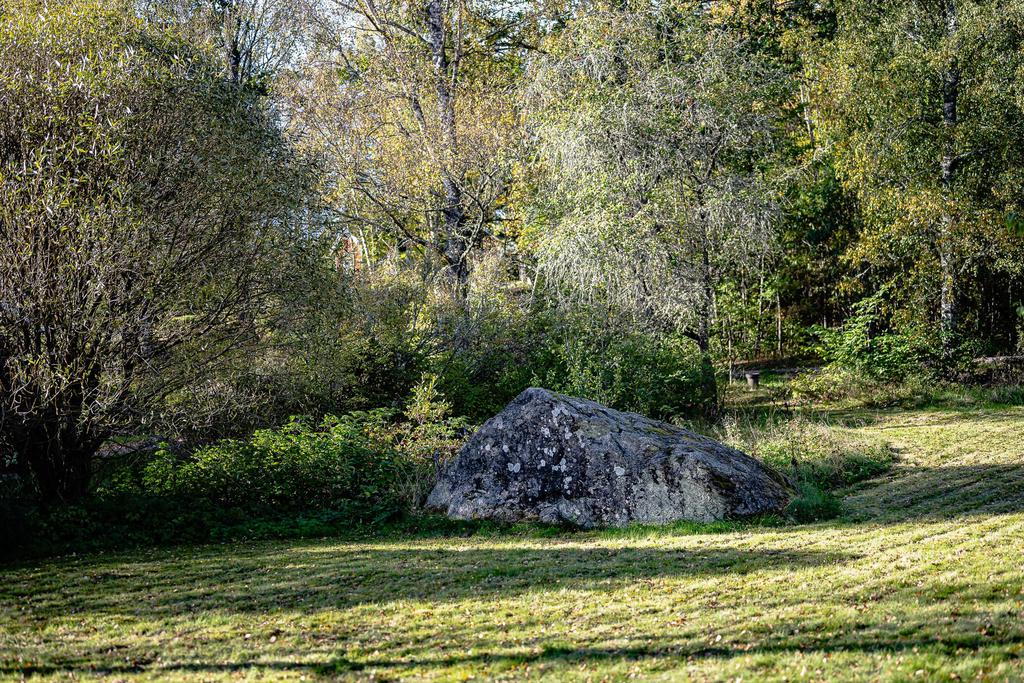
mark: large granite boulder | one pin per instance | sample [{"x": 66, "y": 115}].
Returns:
[{"x": 558, "y": 459}]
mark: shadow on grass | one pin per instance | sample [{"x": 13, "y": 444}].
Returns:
[
  {"x": 918, "y": 638},
  {"x": 934, "y": 494},
  {"x": 315, "y": 578}
]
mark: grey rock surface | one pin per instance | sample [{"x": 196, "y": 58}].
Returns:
[{"x": 558, "y": 459}]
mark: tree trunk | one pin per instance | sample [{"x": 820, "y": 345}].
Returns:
[
  {"x": 454, "y": 243},
  {"x": 758, "y": 326},
  {"x": 59, "y": 458},
  {"x": 778, "y": 323},
  {"x": 231, "y": 26},
  {"x": 702, "y": 333},
  {"x": 708, "y": 292},
  {"x": 948, "y": 313}
]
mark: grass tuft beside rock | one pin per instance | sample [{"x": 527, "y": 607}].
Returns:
[{"x": 819, "y": 456}]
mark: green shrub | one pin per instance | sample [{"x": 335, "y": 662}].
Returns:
[
  {"x": 865, "y": 345},
  {"x": 367, "y": 459},
  {"x": 830, "y": 384},
  {"x": 425, "y": 438},
  {"x": 812, "y": 504},
  {"x": 296, "y": 466},
  {"x": 662, "y": 377},
  {"x": 480, "y": 379},
  {"x": 867, "y": 362},
  {"x": 483, "y": 345},
  {"x": 306, "y": 478}
]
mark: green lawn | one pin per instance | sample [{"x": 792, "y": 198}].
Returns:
[{"x": 922, "y": 579}]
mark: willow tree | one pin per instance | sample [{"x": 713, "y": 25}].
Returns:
[
  {"x": 651, "y": 124},
  {"x": 920, "y": 102},
  {"x": 143, "y": 202}
]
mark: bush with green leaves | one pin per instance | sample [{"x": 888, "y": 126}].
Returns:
[
  {"x": 868, "y": 360},
  {"x": 486, "y": 347},
  {"x": 149, "y": 215},
  {"x": 866, "y": 345},
  {"x": 371, "y": 459},
  {"x": 309, "y": 477},
  {"x": 299, "y": 465},
  {"x": 662, "y": 377}
]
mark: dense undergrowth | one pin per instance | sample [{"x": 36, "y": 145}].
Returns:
[
  {"x": 331, "y": 477},
  {"x": 367, "y": 473}
]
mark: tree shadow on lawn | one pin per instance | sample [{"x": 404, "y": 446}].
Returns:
[
  {"x": 936, "y": 494},
  {"x": 312, "y": 575},
  {"x": 656, "y": 647},
  {"x": 785, "y": 638},
  {"x": 316, "y": 577}
]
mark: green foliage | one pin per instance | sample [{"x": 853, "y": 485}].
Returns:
[
  {"x": 834, "y": 384},
  {"x": 812, "y": 504},
  {"x": 306, "y": 478},
  {"x": 662, "y": 377},
  {"x": 482, "y": 351},
  {"x": 372, "y": 372},
  {"x": 427, "y": 404},
  {"x": 868, "y": 361},
  {"x": 920, "y": 107},
  {"x": 861, "y": 345},
  {"x": 297, "y": 465},
  {"x": 814, "y": 281},
  {"x": 366, "y": 458},
  {"x": 651, "y": 187},
  {"x": 147, "y": 209},
  {"x": 355, "y": 347},
  {"x": 493, "y": 344},
  {"x": 394, "y": 326}
]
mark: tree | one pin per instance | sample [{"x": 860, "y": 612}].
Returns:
[
  {"x": 920, "y": 102},
  {"x": 254, "y": 39},
  {"x": 144, "y": 201},
  {"x": 414, "y": 105},
  {"x": 652, "y": 123}
]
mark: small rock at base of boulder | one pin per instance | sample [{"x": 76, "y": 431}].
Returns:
[{"x": 558, "y": 459}]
